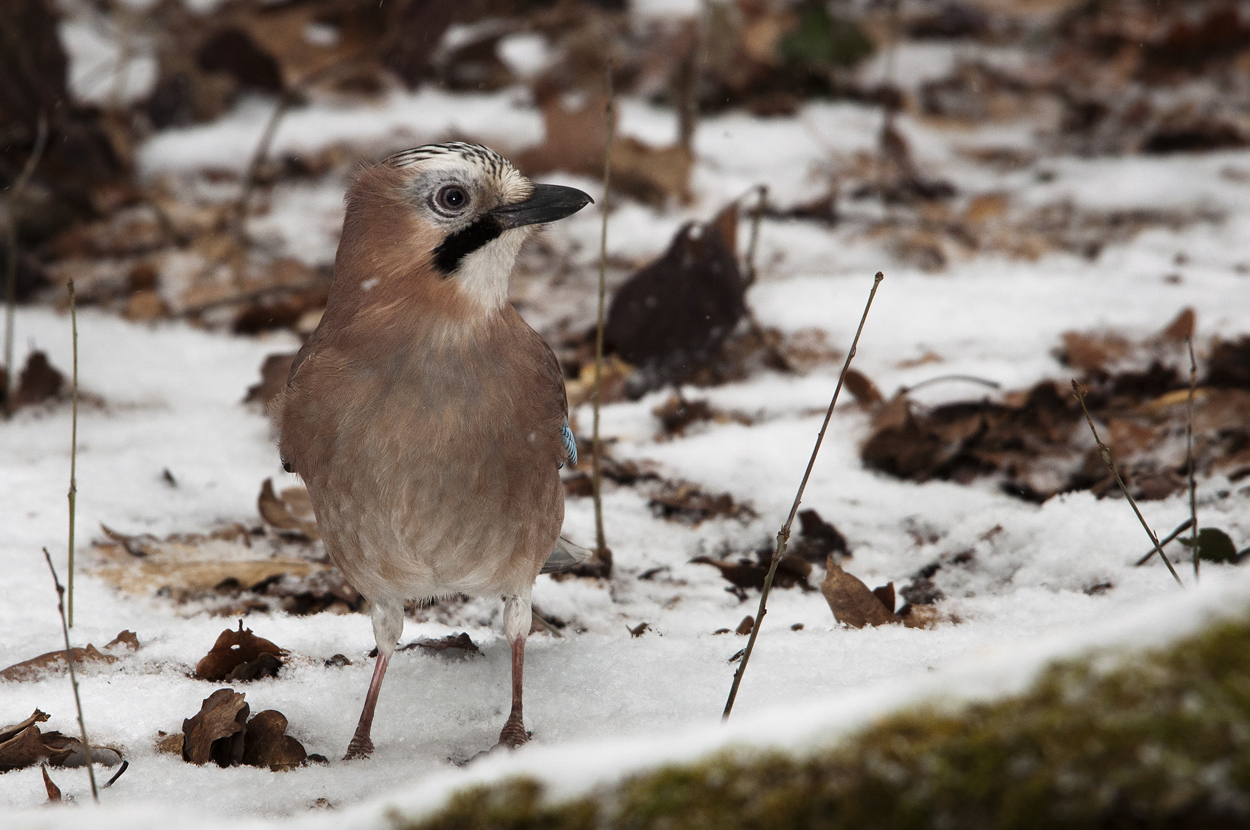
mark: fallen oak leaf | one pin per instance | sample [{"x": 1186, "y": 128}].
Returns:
[
  {"x": 792, "y": 570},
  {"x": 454, "y": 642},
  {"x": 670, "y": 318},
  {"x": 234, "y": 649},
  {"x": 54, "y": 661},
  {"x": 273, "y": 377},
  {"x": 851, "y": 601},
  {"x": 24, "y": 745},
  {"x": 215, "y": 733},
  {"x": 9, "y": 732},
  {"x": 293, "y": 511},
  {"x": 21, "y": 745},
  {"x": 67, "y": 751},
  {"x": 266, "y": 743}
]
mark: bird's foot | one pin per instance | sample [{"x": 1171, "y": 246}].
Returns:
[
  {"x": 360, "y": 747},
  {"x": 513, "y": 734}
]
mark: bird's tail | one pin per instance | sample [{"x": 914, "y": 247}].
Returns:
[{"x": 565, "y": 555}]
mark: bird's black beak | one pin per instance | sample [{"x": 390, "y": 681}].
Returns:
[{"x": 547, "y": 203}]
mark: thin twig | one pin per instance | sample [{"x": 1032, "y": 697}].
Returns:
[
  {"x": 250, "y": 296},
  {"x": 993, "y": 384},
  {"x": 1177, "y": 531},
  {"x": 888, "y": 109},
  {"x": 1189, "y": 450},
  {"x": 285, "y": 101},
  {"x": 748, "y": 275},
  {"x": 1106, "y": 458},
  {"x": 73, "y": 678},
  {"x": 73, "y": 449},
  {"x": 10, "y": 271},
  {"x": 125, "y": 38},
  {"x": 778, "y": 359},
  {"x": 596, "y": 477},
  {"x": 783, "y": 535}
]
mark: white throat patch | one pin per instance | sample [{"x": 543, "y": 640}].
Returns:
[{"x": 483, "y": 275}]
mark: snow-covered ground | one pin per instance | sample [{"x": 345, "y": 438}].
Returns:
[{"x": 601, "y": 702}]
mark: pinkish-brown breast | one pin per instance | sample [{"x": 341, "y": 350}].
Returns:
[{"x": 430, "y": 444}]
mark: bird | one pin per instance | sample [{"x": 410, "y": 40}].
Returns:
[{"x": 427, "y": 419}]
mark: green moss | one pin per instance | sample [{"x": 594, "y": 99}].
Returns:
[{"x": 1162, "y": 740}]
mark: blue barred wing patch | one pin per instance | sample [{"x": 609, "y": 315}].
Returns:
[{"x": 570, "y": 443}]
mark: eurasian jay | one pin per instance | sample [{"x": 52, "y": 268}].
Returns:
[{"x": 428, "y": 420}]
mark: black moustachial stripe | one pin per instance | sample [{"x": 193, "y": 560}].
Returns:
[{"x": 449, "y": 255}]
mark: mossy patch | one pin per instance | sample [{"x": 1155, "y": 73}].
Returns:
[{"x": 1162, "y": 739}]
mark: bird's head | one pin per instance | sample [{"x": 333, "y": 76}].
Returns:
[{"x": 444, "y": 218}]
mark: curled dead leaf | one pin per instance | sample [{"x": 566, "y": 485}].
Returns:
[
  {"x": 452, "y": 642},
  {"x": 215, "y": 733},
  {"x": 54, "y": 792},
  {"x": 292, "y": 511},
  {"x": 266, "y": 743},
  {"x": 54, "y": 661},
  {"x": 240, "y": 655},
  {"x": 851, "y": 601}
]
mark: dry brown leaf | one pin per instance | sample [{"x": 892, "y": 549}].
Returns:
[
  {"x": 167, "y": 744},
  {"x": 885, "y": 593},
  {"x": 682, "y": 501},
  {"x": 453, "y": 642},
  {"x": 651, "y": 174},
  {"x": 21, "y": 744},
  {"x": 743, "y": 574},
  {"x": 985, "y": 208},
  {"x": 851, "y": 601},
  {"x": 1181, "y": 328},
  {"x": 54, "y": 661},
  {"x": 922, "y": 616},
  {"x": 236, "y": 650},
  {"x": 865, "y": 391},
  {"x": 292, "y": 511},
  {"x": 266, "y": 743},
  {"x": 54, "y": 792},
  {"x": 215, "y": 733},
  {"x": 817, "y": 539},
  {"x": 24, "y": 745},
  {"x": 1094, "y": 352},
  {"x": 273, "y": 377},
  {"x": 612, "y": 377},
  {"x": 671, "y": 317},
  {"x": 744, "y": 627},
  {"x": 38, "y": 381}
]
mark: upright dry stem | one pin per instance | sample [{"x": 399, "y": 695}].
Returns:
[
  {"x": 1189, "y": 452},
  {"x": 748, "y": 277},
  {"x": 10, "y": 270},
  {"x": 1106, "y": 459},
  {"x": 73, "y": 450},
  {"x": 73, "y": 678},
  {"x": 596, "y": 478},
  {"x": 783, "y": 535},
  {"x": 285, "y": 101}
]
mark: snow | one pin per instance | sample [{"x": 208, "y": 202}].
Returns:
[{"x": 601, "y": 702}]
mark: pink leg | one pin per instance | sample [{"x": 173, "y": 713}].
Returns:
[
  {"x": 514, "y": 734},
  {"x": 361, "y": 746}
]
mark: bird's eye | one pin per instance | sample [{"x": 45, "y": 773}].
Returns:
[{"x": 453, "y": 198}]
